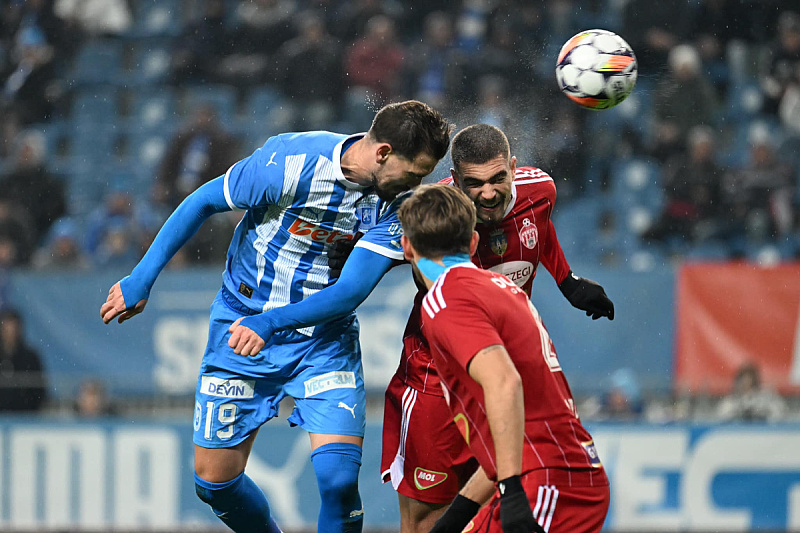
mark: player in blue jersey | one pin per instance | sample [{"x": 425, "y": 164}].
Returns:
[{"x": 300, "y": 193}]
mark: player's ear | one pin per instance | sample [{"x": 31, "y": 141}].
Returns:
[
  {"x": 408, "y": 250},
  {"x": 454, "y": 176},
  {"x": 473, "y": 244},
  {"x": 382, "y": 152},
  {"x": 513, "y": 165}
]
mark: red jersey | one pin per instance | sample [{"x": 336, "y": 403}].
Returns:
[
  {"x": 514, "y": 248},
  {"x": 467, "y": 310}
]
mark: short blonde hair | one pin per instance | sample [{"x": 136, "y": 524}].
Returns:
[{"x": 438, "y": 220}]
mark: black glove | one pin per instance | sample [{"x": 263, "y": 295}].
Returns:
[
  {"x": 338, "y": 254},
  {"x": 457, "y": 516},
  {"x": 587, "y": 295},
  {"x": 516, "y": 515}
]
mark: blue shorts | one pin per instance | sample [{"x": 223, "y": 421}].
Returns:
[{"x": 235, "y": 395}]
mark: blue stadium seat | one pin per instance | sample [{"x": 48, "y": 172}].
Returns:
[
  {"x": 150, "y": 63},
  {"x": 98, "y": 62},
  {"x": 154, "y": 18},
  {"x": 221, "y": 97},
  {"x": 266, "y": 112},
  {"x": 154, "y": 110},
  {"x": 147, "y": 149},
  {"x": 637, "y": 182},
  {"x": 95, "y": 105}
]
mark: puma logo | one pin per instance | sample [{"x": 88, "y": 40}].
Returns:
[
  {"x": 351, "y": 409},
  {"x": 271, "y": 162}
]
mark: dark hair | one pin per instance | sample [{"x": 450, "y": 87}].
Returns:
[
  {"x": 478, "y": 144},
  {"x": 438, "y": 220},
  {"x": 412, "y": 128}
]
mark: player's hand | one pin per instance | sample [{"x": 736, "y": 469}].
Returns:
[
  {"x": 516, "y": 515},
  {"x": 338, "y": 254},
  {"x": 244, "y": 340},
  {"x": 457, "y": 516},
  {"x": 115, "y": 306},
  {"x": 588, "y": 296}
]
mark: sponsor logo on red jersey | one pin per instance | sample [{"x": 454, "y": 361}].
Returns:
[
  {"x": 425, "y": 479},
  {"x": 301, "y": 228}
]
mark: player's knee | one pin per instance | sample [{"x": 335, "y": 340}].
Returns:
[
  {"x": 336, "y": 466},
  {"x": 217, "y": 495}
]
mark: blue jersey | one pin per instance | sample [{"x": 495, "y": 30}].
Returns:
[{"x": 297, "y": 203}]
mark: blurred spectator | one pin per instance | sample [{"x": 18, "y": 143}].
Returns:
[
  {"x": 96, "y": 17},
  {"x": 691, "y": 183},
  {"x": 200, "y": 152},
  {"x": 22, "y": 379},
  {"x": 120, "y": 208},
  {"x": 92, "y": 400},
  {"x": 202, "y": 46},
  {"x": 374, "y": 63},
  {"x": 717, "y": 24},
  {"x": 781, "y": 84},
  {"x": 621, "y": 402},
  {"x": 16, "y": 236},
  {"x": 749, "y": 400},
  {"x": 758, "y": 197},
  {"x": 262, "y": 26},
  {"x": 311, "y": 56},
  {"x": 685, "y": 98},
  {"x": 62, "y": 249},
  {"x": 507, "y": 54},
  {"x": 30, "y": 187},
  {"x": 32, "y": 87},
  {"x": 560, "y": 148},
  {"x": 436, "y": 73},
  {"x": 653, "y": 29},
  {"x": 353, "y": 17},
  {"x": 118, "y": 248}
]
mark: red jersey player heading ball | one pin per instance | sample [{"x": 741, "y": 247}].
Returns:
[
  {"x": 423, "y": 455},
  {"x": 501, "y": 377}
]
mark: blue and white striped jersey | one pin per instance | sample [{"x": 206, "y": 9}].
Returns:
[{"x": 297, "y": 203}]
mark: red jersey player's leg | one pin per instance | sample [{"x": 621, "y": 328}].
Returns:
[
  {"x": 424, "y": 455},
  {"x": 562, "y": 502}
]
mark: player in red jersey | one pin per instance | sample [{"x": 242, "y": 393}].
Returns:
[
  {"x": 501, "y": 378},
  {"x": 423, "y": 456}
]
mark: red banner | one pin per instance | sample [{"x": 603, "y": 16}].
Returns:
[{"x": 732, "y": 314}]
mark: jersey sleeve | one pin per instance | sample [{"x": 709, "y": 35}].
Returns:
[
  {"x": 457, "y": 323},
  {"x": 257, "y": 180},
  {"x": 553, "y": 257},
  {"x": 384, "y": 237}
]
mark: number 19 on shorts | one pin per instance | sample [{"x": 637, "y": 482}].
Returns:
[{"x": 225, "y": 414}]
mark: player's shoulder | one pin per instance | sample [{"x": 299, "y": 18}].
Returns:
[
  {"x": 308, "y": 142},
  {"x": 532, "y": 181},
  {"x": 461, "y": 283}
]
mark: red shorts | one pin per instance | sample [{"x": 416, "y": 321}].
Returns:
[
  {"x": 574, "y": 502},
  {"x": 424, "y": 455}
]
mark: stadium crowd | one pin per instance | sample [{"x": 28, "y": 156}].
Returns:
[{"x": 111, "y": 112}]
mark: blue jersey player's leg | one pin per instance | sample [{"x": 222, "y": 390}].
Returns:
[
  {"x": 330, "y": 404},
  {"x": 231, "y": 404}
]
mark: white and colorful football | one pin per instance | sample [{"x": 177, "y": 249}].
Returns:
[{"x": 597, "y": 69}]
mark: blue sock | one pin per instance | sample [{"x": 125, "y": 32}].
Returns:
[
  {"x": 239, "y": 503},
  {"x": 337, "y": 465}
]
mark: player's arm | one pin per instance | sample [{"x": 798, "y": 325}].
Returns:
[
  {"x": 374, "y": 254},
  {"x": 248, "y": 183},
  {"x": 128, "y": 296},
  {"x": 582, "y": 293},
  {"x": 494, "y": 371},
  {"x": 360, "y": 275}
]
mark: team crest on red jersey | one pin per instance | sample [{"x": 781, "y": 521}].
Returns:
[
  {"x": 498, "y": 242},
  {"x": 528, "y": 235},
  {"x": 425, "y": 479}
]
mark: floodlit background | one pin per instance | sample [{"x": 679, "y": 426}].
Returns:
[{"x": 682, "y": 202}]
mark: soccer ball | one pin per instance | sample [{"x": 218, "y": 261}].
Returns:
[{"x": 597, "y": 69}]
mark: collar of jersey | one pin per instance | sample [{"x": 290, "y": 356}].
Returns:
[
  {"x": 513, "y": 200},
  {"x": 433, "y": 270},
  {"x": 337, "y": 159}
]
